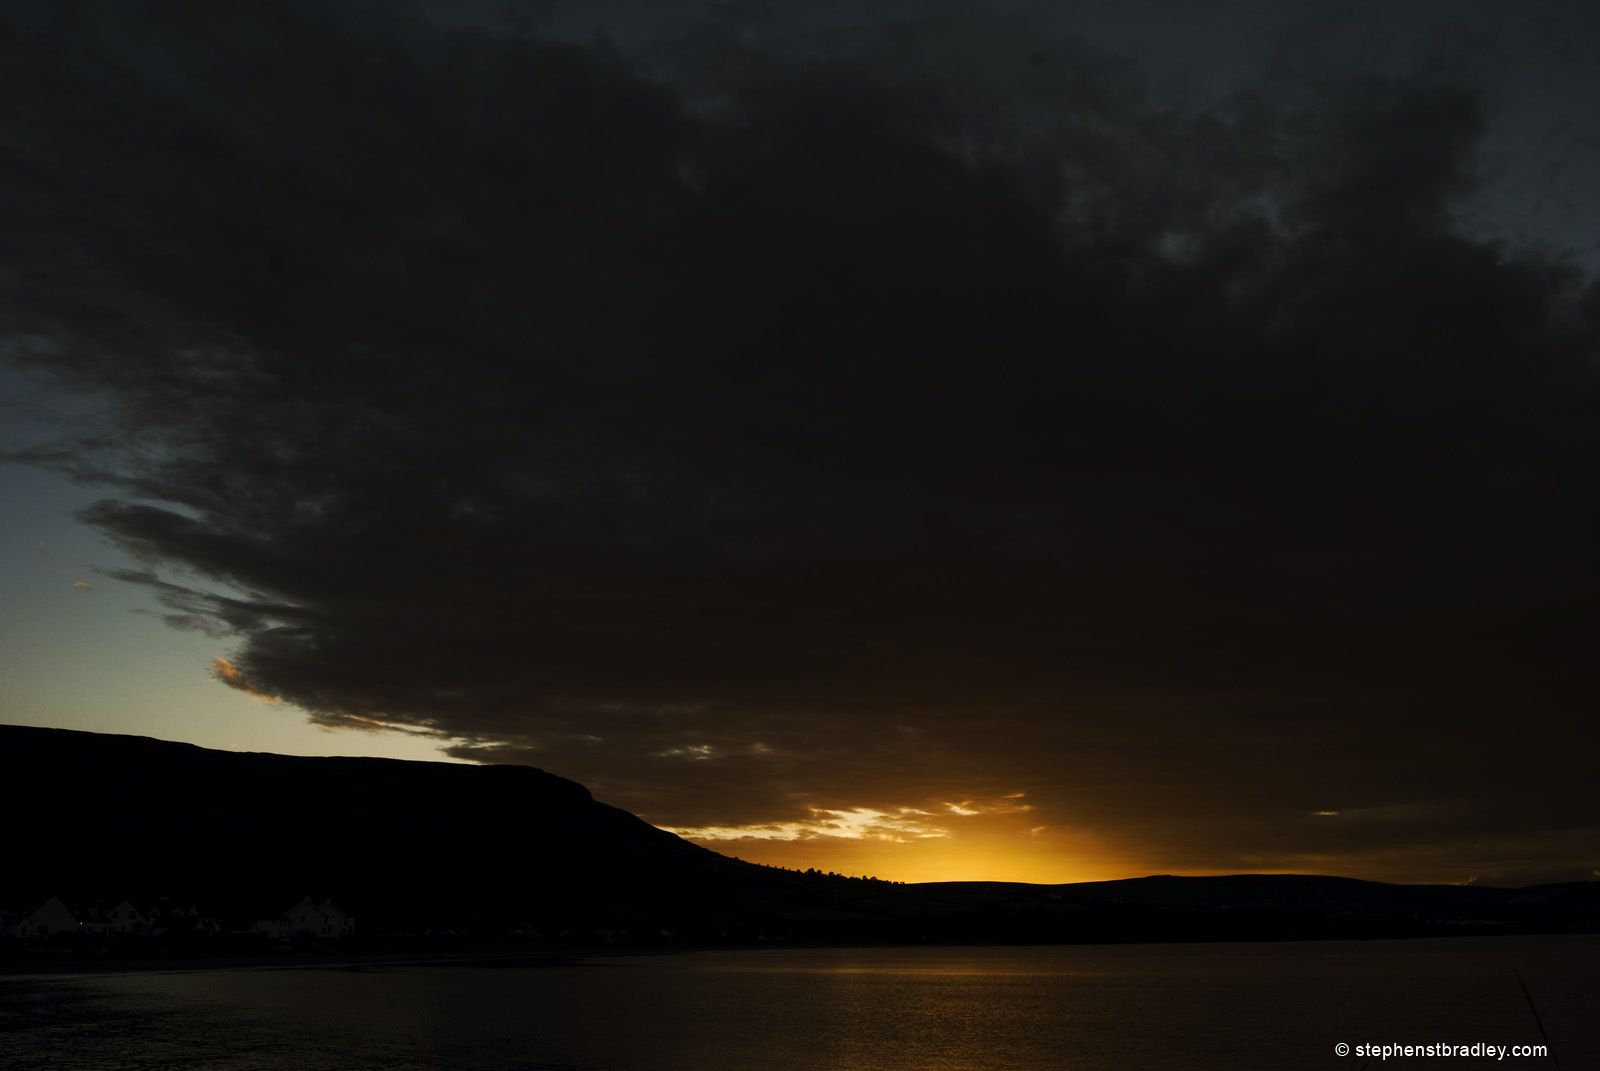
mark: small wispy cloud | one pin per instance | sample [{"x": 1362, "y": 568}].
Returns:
[
  {"x": 1007, "y": 804},
  {"x": 698, "y": 752},
  {"x": 230, "y": 674},
  {"x": 360, "y": 723},
  {"x": 857, "y": 823},
  {"x": 1389, "y": 812}
]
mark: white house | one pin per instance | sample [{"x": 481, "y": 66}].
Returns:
[
  {"x": 308, "y": 918},
  {"x": 338, "y": 923},
  {"x": 125, "y": 918}
]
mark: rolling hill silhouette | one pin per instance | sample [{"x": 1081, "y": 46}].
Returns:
[{"x": 492, "y": 850}]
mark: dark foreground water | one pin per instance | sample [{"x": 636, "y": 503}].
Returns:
[{"x": 1196, "y": 1007}]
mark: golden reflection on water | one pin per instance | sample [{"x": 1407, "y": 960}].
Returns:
[{"x": 1081, "y": 1008}]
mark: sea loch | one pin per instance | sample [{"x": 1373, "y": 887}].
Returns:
[{"x": 1084, "y": 1008}]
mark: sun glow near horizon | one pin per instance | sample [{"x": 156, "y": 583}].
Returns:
[
  {"x": 925, "y": 861},
  {"x": 999, "y": 839}
]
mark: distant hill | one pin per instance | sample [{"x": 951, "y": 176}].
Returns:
[
  {"x": 1278, "y": 906},
  {"x": 496, "y": 849},
  {"x": 430, "y": 843}
]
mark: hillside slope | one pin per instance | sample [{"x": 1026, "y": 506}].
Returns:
[{"x": 494, "y": 849}]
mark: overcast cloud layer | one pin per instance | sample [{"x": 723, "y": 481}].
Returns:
[{"x": 919, "y": 419}]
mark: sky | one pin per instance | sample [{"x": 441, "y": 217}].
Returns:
[{"x": 1018, "y": 442}]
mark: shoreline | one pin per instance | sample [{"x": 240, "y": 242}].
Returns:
[{"x": 74, "y": 965}]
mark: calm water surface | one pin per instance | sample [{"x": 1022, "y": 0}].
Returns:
[{"x": 1234, "y": 1007}]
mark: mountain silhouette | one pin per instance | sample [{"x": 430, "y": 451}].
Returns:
[{"x": 494, "y": 850}]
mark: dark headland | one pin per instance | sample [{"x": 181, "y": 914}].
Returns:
[{"x": 210, "y": 847}]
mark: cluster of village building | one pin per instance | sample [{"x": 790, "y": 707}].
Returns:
[{"x": 108, "y": 918}]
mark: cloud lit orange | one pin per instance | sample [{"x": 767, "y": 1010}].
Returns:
[{"x": 230, "y": 674}]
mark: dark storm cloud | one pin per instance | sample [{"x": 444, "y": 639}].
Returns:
[{"x": 835, "y": 416}]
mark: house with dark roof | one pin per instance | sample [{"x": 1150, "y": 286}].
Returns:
[{"x": 55, "y": 915}]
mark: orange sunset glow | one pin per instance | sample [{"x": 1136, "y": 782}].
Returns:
[{"x": 996, "y": 840}]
